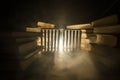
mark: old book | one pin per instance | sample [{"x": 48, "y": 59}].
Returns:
[
  {"x": 18, "y": 34},
  {"x": 106, "y": 21},
  {"x": 106, "y": 40},
  {"x": 86, "y": 36},
  {"x": 87, "y": 30},
  {"x": 108, "y": 29},
  {"x": 30, "y": 29},
  {"x": 79, "y": 26},
  {"x": 45, "y": 25}
]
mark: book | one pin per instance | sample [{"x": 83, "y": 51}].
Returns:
[
  {"x": 108, "y": 29},
  {"x": 106, "y": 40},
  {"x": 106, "y": 21}
]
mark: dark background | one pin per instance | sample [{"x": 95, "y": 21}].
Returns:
[{"x": 18, "y": 14}]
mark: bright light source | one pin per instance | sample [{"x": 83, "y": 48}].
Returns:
[
  {"x": 61, "y": 41},
  {"x": 61, "y": 45}
]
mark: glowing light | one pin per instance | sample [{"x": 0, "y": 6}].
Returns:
[
  {"x": 72, "y": 39},
  {"x": 39, "y": 52},
  {"x": 39, "y": 41},
  {"x": 53, "y": 40},
  {"x": 65, "y": 37},
  {"x": 68, "y": 44},
  {"x": 61, "y": 41},
  {"x": 56, "y": 40},
  {"x": 50, "y": 38},
  {"x": 61, "y": 45}
]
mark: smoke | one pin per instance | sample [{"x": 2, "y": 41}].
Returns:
[{"x": 73, "y": 66}]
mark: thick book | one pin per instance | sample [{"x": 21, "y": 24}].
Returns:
[
  {"x": 106, "y": 40},
  {"x": 87, "y": 30},
  {"x": 30, "y": 29},
  {"x": 45, "y": 25},
  {"x": 108, "y": 29},
  {"x": 80, "y": 26},
  {"x": 87, "y": 36},
  {"x": 106, "y": 21}
]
